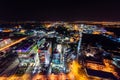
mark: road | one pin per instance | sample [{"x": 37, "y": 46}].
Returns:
[{"x": 17, "y": 41}]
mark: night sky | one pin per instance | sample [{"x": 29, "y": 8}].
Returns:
[{"x": 53, "y": 10}]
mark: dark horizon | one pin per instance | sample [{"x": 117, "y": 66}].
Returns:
[{"x": 59, "y": 11}]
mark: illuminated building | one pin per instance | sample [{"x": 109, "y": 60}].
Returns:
[
  {"x": 5, "y": 42},
  {"x": 24, "y": 48},
  {"x": 44, "y": 53}
]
